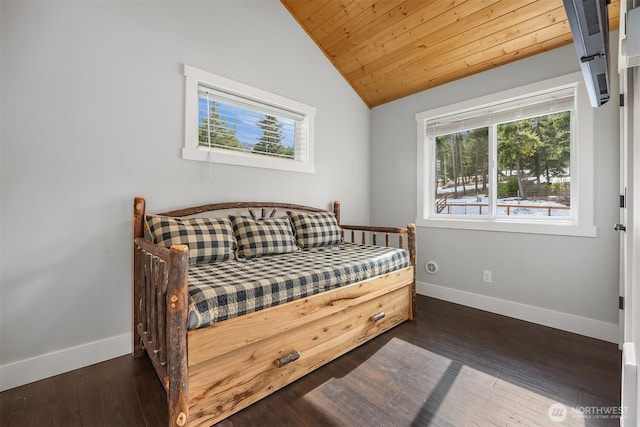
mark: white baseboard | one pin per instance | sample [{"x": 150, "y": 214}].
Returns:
[
  {"x": 542, "y": 316},
  {"x": 629, "y": 385},
  {"x": 47, "y": 365}
]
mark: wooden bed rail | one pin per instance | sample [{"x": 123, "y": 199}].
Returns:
[
  {"x": 363, "y": 231},
  {"x": 406, "y": 239},
  {"x": 265, "y": 209},
  {"x": 372, "y": 234}
]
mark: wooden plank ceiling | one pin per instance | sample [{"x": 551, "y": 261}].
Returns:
[{"x": 388, "y": 49}]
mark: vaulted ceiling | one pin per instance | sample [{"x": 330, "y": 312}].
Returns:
[{"x": 388, "y": 49}]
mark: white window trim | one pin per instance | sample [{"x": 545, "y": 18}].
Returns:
[
  {"x": 191, "y": 150},
  {"x": 582, "y": 165}
]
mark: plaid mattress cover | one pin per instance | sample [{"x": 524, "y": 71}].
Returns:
[{"x": 222, "y": 290}]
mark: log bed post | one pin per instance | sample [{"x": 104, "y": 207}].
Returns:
[
  {"x": 177, "y": 306},
  {"x": 138, "y": 231},
  {"x": 411, "y": 242},
  {"x": 336, "y": 210}
]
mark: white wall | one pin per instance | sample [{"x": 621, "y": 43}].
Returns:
[
  {"x": 566, "y": 282},
  {"x": 92, "y": 114}
]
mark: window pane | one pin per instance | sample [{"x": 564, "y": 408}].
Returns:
[
  {"x": 231, "y": 127},
  {"x": 461, "y": 172},
  {"x": 533, "y": 176}
]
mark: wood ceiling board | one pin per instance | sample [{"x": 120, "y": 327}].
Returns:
[
  {"x": 398, "y": 21},
  {"x": 448, "y": 69},
  {"x": 388, "y": 49},
  {"x": 335, "y": 11},
  {"x": 439, "y": 42},
  {"x": 360, "y": 20},
  {"x": 465, "y": 69},
  {"x": 348, "y": 13},
  {"x": 381, "y": 97},
  {"x": 385, "y": 48},
  {"x": 490, "y": 48},
  {"x": 307, "y": 7}
]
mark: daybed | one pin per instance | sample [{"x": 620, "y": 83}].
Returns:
[{"x": 222, "y": 337}]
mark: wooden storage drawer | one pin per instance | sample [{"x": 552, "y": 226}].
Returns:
[
  {"x": 224, "y": 337},
  {"x": 240, "y": 377}
]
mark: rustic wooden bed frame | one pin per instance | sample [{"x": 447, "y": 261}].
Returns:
[{"x": 212, "y": 372}]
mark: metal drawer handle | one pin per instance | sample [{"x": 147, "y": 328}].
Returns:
[
  {"x": 377, "y": 316},
  {"x": 287, "y": 358}
]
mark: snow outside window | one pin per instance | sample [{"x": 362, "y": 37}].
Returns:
[
  {"x": 229, "y": 122},
  {"x": 509, "y": 162}
]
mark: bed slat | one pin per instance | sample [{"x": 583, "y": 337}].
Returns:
[
  {"x": 138, "y": 298},
  {"x": 161, "y": 296},
  {"x": 153, "y": 326},
  {"x": 148, "y": 278}
]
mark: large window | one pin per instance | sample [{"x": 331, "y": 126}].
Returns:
[
  {"x": 508, "y": 162},
  {"x": 229, "y": 122}
]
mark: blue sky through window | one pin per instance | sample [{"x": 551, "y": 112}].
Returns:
[{"x": 244, "y": 122}]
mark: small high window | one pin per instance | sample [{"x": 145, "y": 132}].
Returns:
[{"x": 229, "y": 122}]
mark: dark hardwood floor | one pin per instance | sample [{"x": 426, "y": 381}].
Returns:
[{"x": 454, "y": 366}]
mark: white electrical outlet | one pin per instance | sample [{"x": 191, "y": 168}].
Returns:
[
  {"x": 431, "y": 267},
  {"x": 486, "y": 276}
]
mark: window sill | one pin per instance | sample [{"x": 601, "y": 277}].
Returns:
[
  {"x": 567, "y": 228},
  {"x": 247, "y": 159}
]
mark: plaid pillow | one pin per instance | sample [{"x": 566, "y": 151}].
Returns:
[
  {"x": 263, "y": 237},
  {"x": 208, "y": 239},
  {"x": 315, "y": 229}
]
